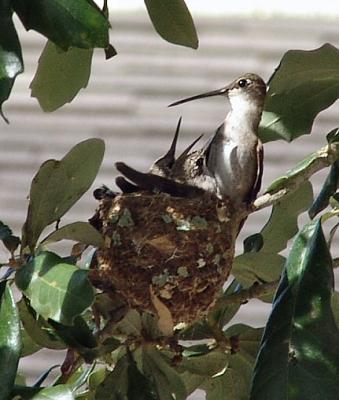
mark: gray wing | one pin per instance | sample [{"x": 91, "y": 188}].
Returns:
[
  {"x": 211, "y": 144},
  {"x": 260, "y": 169}
]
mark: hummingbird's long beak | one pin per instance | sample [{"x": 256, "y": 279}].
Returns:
[{"x": 218, "y": 92}]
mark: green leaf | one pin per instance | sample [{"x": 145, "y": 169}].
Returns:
[
  {"x": 77, "y": 231},
  {"x": 125, "y": 382},
  {"x": 292, "y": 173},
  {"x": 234, "y": 383},
  {"x": 329, "y": 188},
  {"x": 58, "y": 185},
  {"x": 60, "y": 75},
  {"x": 57, "y": 290},
  {"x": 167, "y": 381},
  {"x": 96, "y": 378},
  {"x": 66, "y": 23},
  {"x": 299, "y": 354},
  {"x": 173, "y": 21},
  {"x": 10, "y": 241},
  {"x": 28, "y": 345},
  {"x": 257, "y": 267},
  {"x": 207, "y": 363},
  {"x": 24, "y": 392},
  {"x": 197, "y": 331},
  {"x": 333, "y": 136},
  {"x": 11, "y": 63},
  {"x": 10, "y": 342},
  {"x": 253, "y": 243},
  {"x": 335, "y": 307},
  {"x": 79, "y": 337},
  {"x": 305, "y": 83},
  {"x": 220, "y": 316},
  {"x": 59, "y": 392},
  {"x": 130, "y": 325},
  {"x": 283, "y": 222},
  {"x": 80, "y": 377},
  {"x": 38, "y": 329}
]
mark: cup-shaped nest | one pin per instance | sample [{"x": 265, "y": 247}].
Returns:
[{"x": 166, "y": 254}]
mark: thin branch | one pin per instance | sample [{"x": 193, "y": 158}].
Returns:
[
  {"x": 253, "y": 292},
  {"x": 323, "y": 158}
]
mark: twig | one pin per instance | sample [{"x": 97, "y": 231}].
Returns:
[
  {"x": 323, "y": 158},
  {"x": 254, "y": 291}
]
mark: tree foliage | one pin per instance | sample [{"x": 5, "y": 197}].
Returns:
[{"x": 118, "y": 357}]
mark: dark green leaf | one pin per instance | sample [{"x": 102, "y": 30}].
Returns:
[
  {"x": 219, "y": 316},
  {"x": 125, "y": 382},
  {"x": 333, "y": 136},
  {"x": 253, "y": 243},
  {"x": 80, "y": 377},
  {"x": 130, "y": 325},
  {"x": 166, "y": 380},
  {"x": 5, "y": 231},
  {"x": 299, "y": 354},
  {"x": 59, "y": 392},
  {"x": 10, "y": 342},
  {"x": 247, "y": 336},
  {"x": 60, "y": 75},
  {"x": 42, "y": 378},
  {"x": 328, "y": 189},
  {"x": 234, "y": 383},
  {"x": 58, "y": 185},
  {"x": 192, "y": 381},
  {"x": 66, "y": 23},
  {"x": 266, "y": 265},
  {"x": 38, "y": 329},
  {"x": 257, "y": 267},
  {"x": 173, "y": 21},
  {"x": 57, "y": 290},
  {"x": 80, "y": 337},
  {"x": 11, "y": 63},
  {"x": 305, "y": 83},
  {"x": 10, "y": 241},
  {"x": 78, "y": 231},
  {"x": 198, "y": 331},
  {"x": 76, "y": 336},
  {"x": 206, "y": 363},
  {"x": 25, "y": 392},
  {"x": 283, "y": 222},
  {"x": 283, "y": 180},
  {"x": 335, "y": 307},
  {"x": 96, "y": 378},
  {"x": 28, "y": 345}
]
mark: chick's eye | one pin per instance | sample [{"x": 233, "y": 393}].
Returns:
[{"x": 243, "y": 82}]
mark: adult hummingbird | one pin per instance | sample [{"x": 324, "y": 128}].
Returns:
[{"x": 231, "y": 163}]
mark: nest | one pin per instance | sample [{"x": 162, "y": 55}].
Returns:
[{"x": 166, "y": 255}]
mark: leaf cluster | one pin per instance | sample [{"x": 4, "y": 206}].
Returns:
[
  {"x": 74, "y": 28},
  {"x": 117, "y": 353}
]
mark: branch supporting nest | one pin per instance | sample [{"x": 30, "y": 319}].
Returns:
[
  {"x": 253, "y": 292},
  {"x": 323, "y": 158}
]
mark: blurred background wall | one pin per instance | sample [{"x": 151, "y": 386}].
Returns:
[{"x": 126, "y": 102}]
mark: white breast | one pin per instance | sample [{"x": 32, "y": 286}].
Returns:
[{"x": 234, "y": 176}]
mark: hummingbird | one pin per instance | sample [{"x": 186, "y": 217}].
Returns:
[{"x": 231, "y": 163}]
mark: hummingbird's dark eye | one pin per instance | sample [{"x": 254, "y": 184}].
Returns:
[{"x": 243, "y": 82}]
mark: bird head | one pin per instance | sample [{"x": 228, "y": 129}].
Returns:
[{"x": 247, "y": 88}]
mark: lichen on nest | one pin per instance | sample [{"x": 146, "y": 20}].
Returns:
[{"x": 172, "y": 251}]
